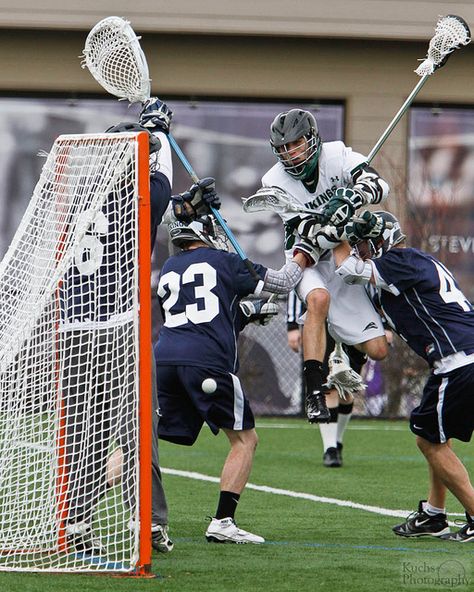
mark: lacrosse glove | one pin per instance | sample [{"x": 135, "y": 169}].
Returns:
[
  {"x": 197, "y": 201},
  {"x": 366, "y": 226},
  {"x": 257, "y": 311},
  {"x": 156, "y": 116},
  {"x": 341, "y": 207}
]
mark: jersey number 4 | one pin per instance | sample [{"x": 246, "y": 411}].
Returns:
[
  {"x": 172, "y": 283},
  {"x": 448, "y": 290}
]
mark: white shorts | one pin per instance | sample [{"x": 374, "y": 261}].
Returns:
[{"x": 352, "y": 319}]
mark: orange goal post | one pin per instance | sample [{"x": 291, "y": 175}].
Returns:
[{"x": 75, "y": 364}]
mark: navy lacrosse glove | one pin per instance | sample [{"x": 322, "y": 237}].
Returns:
[
  {"x": 156, "y": 116},
  {"x": 197, "y": 201},
  {"x": 366, "y": 226},
  {"x": 341, "y": 207},
  {"x": 260, "y": 312}
]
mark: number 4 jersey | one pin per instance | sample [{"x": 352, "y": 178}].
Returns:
[
  {"x": 424, "y": 304},
  {"x": 199, "y": 291}
]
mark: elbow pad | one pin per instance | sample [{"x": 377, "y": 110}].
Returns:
[
  {"x": 355, "y": 271},
  {"x": 369, "y": 184},
  {"x": 283, "y": 280}
]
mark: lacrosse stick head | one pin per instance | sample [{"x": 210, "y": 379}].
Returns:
[
  {"x": 273, "y": 199},
  {"x": 451, "y": 33},
  {"x": 113, "y": 55}
]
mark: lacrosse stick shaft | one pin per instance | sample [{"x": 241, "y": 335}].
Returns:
[
  {"x": 228, "y": 232},
  {"x": 392, "y": 125},
  {"x": 396, "y": 119}
]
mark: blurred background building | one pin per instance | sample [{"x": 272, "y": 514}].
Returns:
[{"x": 227, "y": 69}]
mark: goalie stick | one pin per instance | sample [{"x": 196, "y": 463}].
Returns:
[
  {"x": 451, "y": 33},
  {"x": 113, "y": 55}
]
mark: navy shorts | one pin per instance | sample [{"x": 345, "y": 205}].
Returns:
[
  {"x": 184, "y": 407},
  {"x": 446, "y": 409}
]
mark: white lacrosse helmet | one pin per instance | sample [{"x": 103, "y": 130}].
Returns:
[{"x": 204, "y": 229}]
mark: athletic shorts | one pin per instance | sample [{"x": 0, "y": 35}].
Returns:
[
  {"x": 352, "y": 318},
  {"x": 184, "y": 407},
  {"x": 446, "y": 409}
]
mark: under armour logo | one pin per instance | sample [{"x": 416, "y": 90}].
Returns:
[
  {"x": 334, "y": 179},
  {"x": 371, "y": 325}
]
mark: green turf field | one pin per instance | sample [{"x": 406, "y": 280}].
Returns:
[{"x": 312, "y": 543}]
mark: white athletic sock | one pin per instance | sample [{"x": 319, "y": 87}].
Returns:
[
  {"x": 431, "y": 510},
  {"x": 328, "y": 434},
  {"x": 342, "y": 421}
]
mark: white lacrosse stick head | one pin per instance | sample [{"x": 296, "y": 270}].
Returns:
[
  {"x": 274, "y": 199},
  {"x": 115, "y": 59},
  {"x": 451, "y": 33}
]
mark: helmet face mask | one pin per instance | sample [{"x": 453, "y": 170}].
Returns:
[
  {"x": 204, "y": 229},
  {"x": 296, "y": 142}
]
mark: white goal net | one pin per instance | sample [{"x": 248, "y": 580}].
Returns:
[{"x": 70, "y": 361}]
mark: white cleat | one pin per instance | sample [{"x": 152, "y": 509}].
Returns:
[
  {"x": 226, "y": 530},
  {"x": 341, "y": 376}
]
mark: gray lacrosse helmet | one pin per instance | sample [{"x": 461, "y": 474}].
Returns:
[
  {"x": 204, "y": 229},
  {"x": 130, "y": 126},
  {"x": 390, "y": 237},
  {"x": 288, "y": 127}
]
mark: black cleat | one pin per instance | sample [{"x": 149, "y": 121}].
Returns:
[
  {"x": 339, "y": 452},
  {"x": 331, "y": 458},
  {"x": 421, "y": 524},
  {"x": 464, "y": 535},
  {"x": 316, "y": 408},
  {"x": 82, "y": 539}
]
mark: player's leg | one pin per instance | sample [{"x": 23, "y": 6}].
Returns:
[
  {"x": 446, "y": 411},
  {"x": 312, "y": 291}
]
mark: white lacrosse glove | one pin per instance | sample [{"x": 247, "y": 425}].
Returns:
[
  {"x": 354, "y": 270},
  {"x": 342, "y": 205},
  {"x": 341, "y": 376},
  {"x": 258, "y": 311}
]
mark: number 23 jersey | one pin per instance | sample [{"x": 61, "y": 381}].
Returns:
[{"x": 199, "y": 291}]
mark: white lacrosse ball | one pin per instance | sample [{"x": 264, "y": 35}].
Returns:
[{"x": 209, "y": 385}]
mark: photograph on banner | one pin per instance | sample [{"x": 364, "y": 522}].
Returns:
[{"x": 441, "y": 188}]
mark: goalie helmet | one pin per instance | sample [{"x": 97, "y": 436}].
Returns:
[
  {"x": 391, "y": 236},
  {"x": 290, "y": 126},
  {"x": 204, "y": 229},
  {"x": 130, "y": 126}
]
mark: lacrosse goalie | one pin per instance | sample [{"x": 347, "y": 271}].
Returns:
[{"x": 328, "y": 177}]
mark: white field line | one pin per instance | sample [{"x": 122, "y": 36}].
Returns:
[
  {"x": 295, "y": 426},
  {"x": 298, "y": 494}
]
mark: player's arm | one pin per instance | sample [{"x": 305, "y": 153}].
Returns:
[
  {"x": 366, "y": 186},
  {"x": 285, "y": 279}
]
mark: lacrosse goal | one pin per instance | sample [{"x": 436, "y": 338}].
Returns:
[{"x": 75, "y": 361}]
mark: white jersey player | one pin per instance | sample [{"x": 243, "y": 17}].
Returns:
[{"x": 331, "y": 175}]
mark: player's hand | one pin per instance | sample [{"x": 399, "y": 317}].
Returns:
[
  {"x": 258, "y": 311},
  {"x": 156, "y": 116},
  {"x": 197, "y": 201},
  {"x": 294, "y": 339},
  {"x": 341, "y": 207},
  {"x": 366, "y": 226}
]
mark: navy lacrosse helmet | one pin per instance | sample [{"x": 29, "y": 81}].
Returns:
[
  {"x": 130, "y": 126},
  {"x": 390, "y": 237}
]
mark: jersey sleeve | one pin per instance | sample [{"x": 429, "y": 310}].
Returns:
[
  {"x": 244, "y": 281},
  {"x": 350, "y": 160},
  {"x": 400, "y": 269}
]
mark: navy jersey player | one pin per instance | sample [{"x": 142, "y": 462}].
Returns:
[
  {"x": 95, "y": 295},
  {"x": 422, "y": 302},
  {"x": 201, "y": 290}
]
